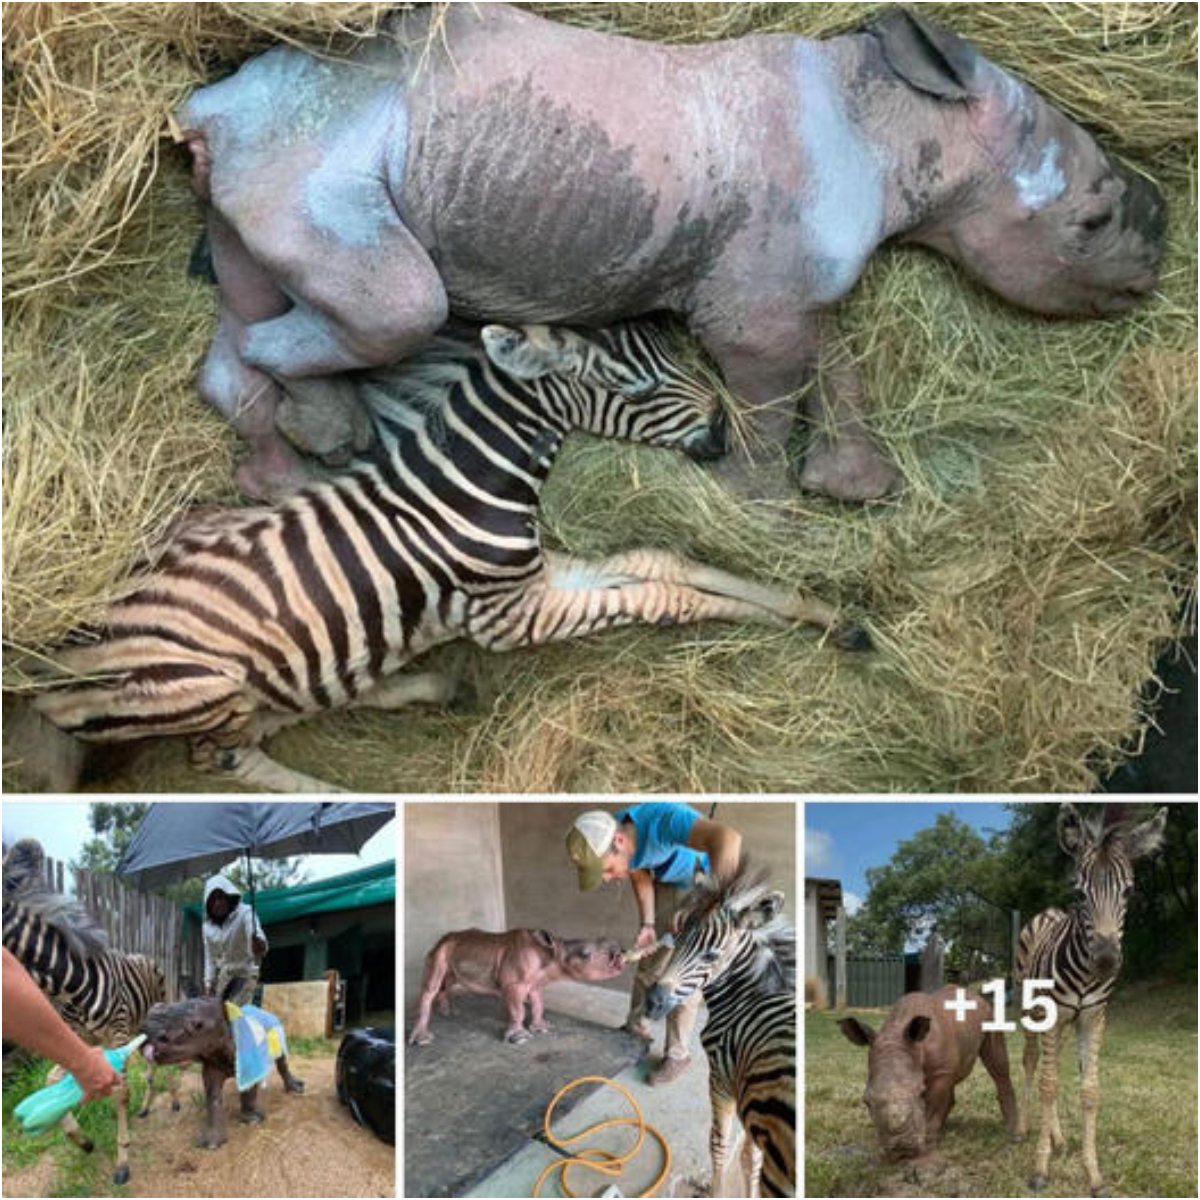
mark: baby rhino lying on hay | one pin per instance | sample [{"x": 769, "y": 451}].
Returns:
[
  {"x": 256, "y": 618},
  {"x": 516, "y": 964},
  {"x": 917, "y": 1060}
]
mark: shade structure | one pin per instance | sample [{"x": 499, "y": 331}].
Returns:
[{"x": 177, "y": 841}]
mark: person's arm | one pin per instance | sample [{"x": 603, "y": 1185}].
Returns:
[
  {"x": 643, "y": 891},
  {"x": 30, "y": 1021},
  {"x": 210, "y": 967},
  {"x": 722, "y": 845},
  {"x": 258, "y": 939}
]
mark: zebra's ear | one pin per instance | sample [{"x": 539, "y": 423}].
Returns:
[
  {"x": 856, "y": 1032},
  {"x": 764, "y": 910},
  {"x": 520, "y": 351},
  {"x": 1145, "y": 838},
  {"x": 1073, "y": 834}
]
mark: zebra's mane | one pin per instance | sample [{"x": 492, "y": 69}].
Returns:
[
  {"x": 418, "y": 386},
  {"x": 775, "y": 939},
  {"x": 25, "y": 888}
]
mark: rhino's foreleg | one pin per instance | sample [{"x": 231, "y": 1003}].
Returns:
[
  {"x": 842, "y": 460},
  {"x": 213, "y": 1133},
  {"x": 246, "y": 396}
]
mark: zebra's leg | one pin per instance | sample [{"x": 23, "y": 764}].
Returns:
[
  {"x": 251, "y": 765},
  {"x": 429, "y": 687},
  {"x": 1029, "y": 1062},
  {"x": 664, "y": 566},
  {"x": 1091, "y": 1037},
  {"x": 720, "y": 1136},
  {"x": 70, "y": 1127},
  {"x": 752, "y": 1161},
  {"x": 1051, "y": 1044},
  {"x": 655, "y": 587},
  {"x": 994, "y": 1054},
  {"x": 120, "y": 1095},
  {"x": 148, "y": 1099}
]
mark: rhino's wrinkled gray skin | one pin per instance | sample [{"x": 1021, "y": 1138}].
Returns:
[
  {"x": 520, "y": 170},
  {"x": 196, "y": 1030}
]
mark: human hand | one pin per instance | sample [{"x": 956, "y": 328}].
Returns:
[
  {"x": 258, "y": 946},
  {"x": 94, "y": 1074},
  {"x": 646, "y": 937}
]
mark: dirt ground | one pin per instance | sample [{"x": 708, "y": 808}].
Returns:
[{"x": 308, "y": 1146}]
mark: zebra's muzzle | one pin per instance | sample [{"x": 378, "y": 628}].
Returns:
[{"x": 713, "y": 443}]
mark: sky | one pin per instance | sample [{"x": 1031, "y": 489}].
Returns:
[
  {"x": 62, "y": 828},
  {"x": 842, "y": 840}
]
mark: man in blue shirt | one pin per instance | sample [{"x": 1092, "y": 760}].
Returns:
[{"x": 659, "y": 848}]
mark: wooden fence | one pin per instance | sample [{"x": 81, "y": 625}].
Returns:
[{"x": 137, "y": 923}]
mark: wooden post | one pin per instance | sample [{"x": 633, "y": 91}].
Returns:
[{"x": 841, "y": 956}]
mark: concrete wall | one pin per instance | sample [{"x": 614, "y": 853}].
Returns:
[
  {"x": 541, "y": 888},
  {"x": 452, "y": 877}
]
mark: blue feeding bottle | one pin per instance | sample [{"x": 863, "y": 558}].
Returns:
[{"x": 45, "y": 1108}]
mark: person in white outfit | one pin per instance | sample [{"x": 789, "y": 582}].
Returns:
[{"x": 234, "y": 943}]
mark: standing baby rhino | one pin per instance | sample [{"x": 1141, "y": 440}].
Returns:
[
  {"x": 917, "y": 1059},
  {"x": 516, "y": 964},
  {"x": 497, "y": 165},
  {"x": 198, "y": 1030}
]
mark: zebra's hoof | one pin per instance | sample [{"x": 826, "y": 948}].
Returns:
[
  {"x": 1038, "y": 1183},
  {"x": 1101, "y": 1191},
  {"x": 463, "y": 697},
  {"x": 121, "y": 1175},
  {"x": 143, "y": 1114},
  {"x": 852, "y": 637},
  {"x": 175, "y": 1106},
  {"x": 86, "y": 1145}
]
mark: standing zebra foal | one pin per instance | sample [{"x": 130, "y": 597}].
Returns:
[
  {"x": 256, "y": 618},
  {"x": 735, "y": 947},
  {"x": 102, "y": 994},
  {"x": 1080, "y": 951}
]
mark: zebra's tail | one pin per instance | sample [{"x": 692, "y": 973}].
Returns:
[{"x": 40, "y": 757}]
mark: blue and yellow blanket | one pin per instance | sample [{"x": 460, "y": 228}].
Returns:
[{"x": 258, "y": 1040}]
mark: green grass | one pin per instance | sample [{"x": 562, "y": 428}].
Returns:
[
  {"x": 1146, "y": 1138},
  {"x": 76, "y": 1173}
]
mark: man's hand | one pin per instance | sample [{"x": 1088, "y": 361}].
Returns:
[
  {"x": 210, "y": 988},
  {"x": 646, "y": 937},
  {"x": 258, "y": 946},
  {"x": 94, "y": 1073}
]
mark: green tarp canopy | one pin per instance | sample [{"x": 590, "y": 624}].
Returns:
[{"x": 355, "y": 889}]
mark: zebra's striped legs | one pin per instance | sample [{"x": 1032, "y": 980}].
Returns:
[
  {"x": 752, "y": 1161},
  {"x": 1091, "y": 1036},
  {"x": 120, "y": 1095},
  {"x": 724, "y": 1109},
  {"x": 429, "y": 687},
  {"x": 1029, "y": 1062},
  {"x": 1048, "y": 1126}
]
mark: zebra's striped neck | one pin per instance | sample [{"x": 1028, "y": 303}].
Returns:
[{"x": 44, "y": 952}]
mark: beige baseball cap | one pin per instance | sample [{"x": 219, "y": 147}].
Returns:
[{"x": 588, "y": 841}]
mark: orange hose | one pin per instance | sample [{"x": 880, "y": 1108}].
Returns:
[{"x": 600, "y": 1160}]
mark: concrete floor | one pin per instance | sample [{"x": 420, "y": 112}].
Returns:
[{"x": 679, "y": 1111}]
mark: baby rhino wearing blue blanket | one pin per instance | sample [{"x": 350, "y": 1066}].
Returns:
[{"x": 227, "y": 1041}]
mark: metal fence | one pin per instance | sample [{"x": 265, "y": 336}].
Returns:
[
  {"x": 874, "y": 981},
  {"x": 137, "y": 923}
]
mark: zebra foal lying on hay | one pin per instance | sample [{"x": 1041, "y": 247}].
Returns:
[
  {"x": 256, "y": 618},
  {"x": 102, "y": 994},
  {"x": 735, "y": 947}
]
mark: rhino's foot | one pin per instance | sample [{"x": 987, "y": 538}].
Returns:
[
  {"x": 542, "y": 1028},
  {"x": 420, "y": 1037},
  {"x": 514, "y": 1037},
  {"x": 852, "y": 469},
  {"x": 294, "y": 1085},
  {"x": 209, "y": 1139},
  {"x": 751, "y": 480},
  {"x": 251, "y": 1116},
  {"x": 323, "y": 417},
  {"x": 273, "y": 471}
]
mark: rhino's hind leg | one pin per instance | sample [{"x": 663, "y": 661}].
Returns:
[{"x": 290, "y": 1082}]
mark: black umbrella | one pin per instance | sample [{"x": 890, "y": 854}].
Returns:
[{"x": 176, "y": 841}]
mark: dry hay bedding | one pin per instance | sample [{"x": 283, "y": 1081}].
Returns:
[{"x": 1018, "y": 591}]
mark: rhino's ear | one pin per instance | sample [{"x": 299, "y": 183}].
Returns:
[
  {"x": 930, "y": 59},
  {"x": 544, "y": 937},
  {"x": 917, "y": 1029},
  {"x": 855, "y": 1031},
  {"x": 232, "y": 988}
]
